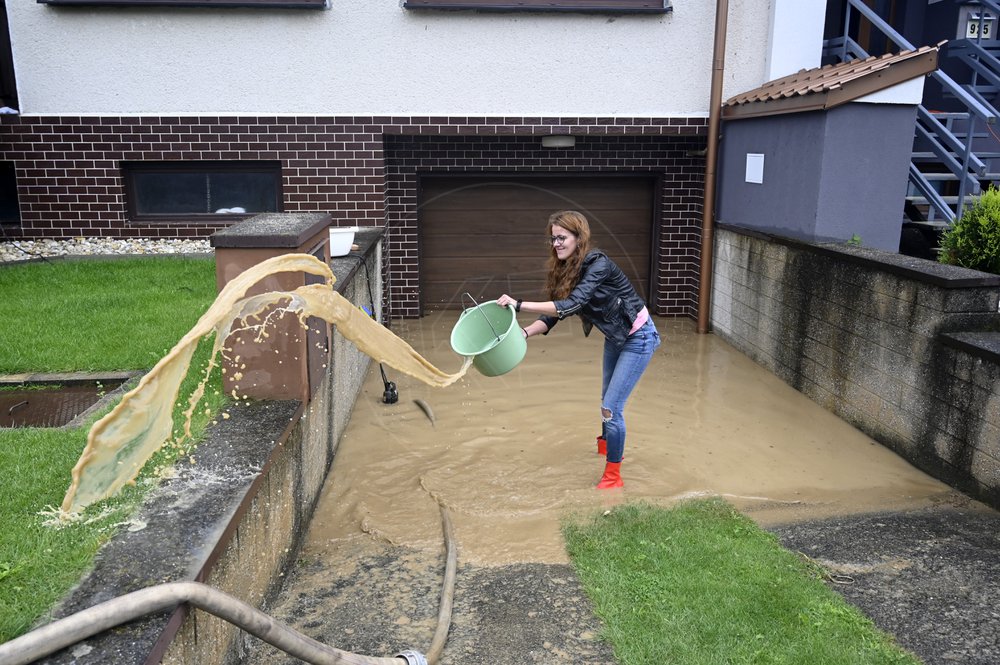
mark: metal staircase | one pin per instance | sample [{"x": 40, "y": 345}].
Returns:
[{"x": 956, "y": 153}]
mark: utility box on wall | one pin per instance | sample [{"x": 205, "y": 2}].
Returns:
[
  {"x": 290, "y": 362},
  {"x": 823, "y": 155},
  {"x": 819, "y": 176}
]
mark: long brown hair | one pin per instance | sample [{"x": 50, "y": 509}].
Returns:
[{"x": 564, "y": 275}]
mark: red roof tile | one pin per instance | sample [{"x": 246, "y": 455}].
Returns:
[{"x": 832, "y": 85}]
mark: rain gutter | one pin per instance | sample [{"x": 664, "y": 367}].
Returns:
[{"x": 712, "y": 153}]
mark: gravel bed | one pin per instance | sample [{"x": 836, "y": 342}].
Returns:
[{"x": 23, "y": 250}]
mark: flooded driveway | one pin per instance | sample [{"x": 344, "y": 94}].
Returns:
[{"x": 510, "y": 455}]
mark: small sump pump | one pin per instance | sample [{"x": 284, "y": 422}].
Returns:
[{"x": 390, "y": 395}]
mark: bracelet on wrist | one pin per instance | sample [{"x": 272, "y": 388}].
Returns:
[{"x": 517, "y": 305}]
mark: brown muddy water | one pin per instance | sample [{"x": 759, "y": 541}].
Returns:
[{"x": 513, "y": 455}]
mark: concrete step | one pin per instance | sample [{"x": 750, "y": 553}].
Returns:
[
  {"x": 935, "y": 224},
  {"x": 951, "y": 200}
]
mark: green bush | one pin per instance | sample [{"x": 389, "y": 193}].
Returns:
[{"x": 974, "y": 240}]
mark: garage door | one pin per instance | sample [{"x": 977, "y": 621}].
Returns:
[{"x": 485, "y": 235}]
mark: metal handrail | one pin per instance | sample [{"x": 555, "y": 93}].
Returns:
[
  {"x": 992, "y": 4},
  {"x": 944, "y": 144},
  {"x": 946, "y": 81},
  {"x": 928, "y": 192},
  {"x": 948, "y": 143},
  {"x": 976, "y": 57}
]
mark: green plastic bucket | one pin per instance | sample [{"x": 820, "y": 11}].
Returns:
[{"x": 489, "y": 334}]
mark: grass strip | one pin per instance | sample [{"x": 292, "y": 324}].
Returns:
[
  {"x": 38, "y": 563},
  {"x": 122, "y": 314},
  {"x": 699, "y": 583}
]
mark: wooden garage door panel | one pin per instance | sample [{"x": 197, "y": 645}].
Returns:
[
  {"x": 555, "y": 193},
  {"x": 524, "y": 267},
  {"x": 486, "y": 236},
  {"x": 621, "y": 220}
]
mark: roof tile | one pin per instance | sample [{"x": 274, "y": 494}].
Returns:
[{"x": 830, "y": 78}]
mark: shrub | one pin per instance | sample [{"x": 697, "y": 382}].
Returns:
[{"x": 974, "y": 240}]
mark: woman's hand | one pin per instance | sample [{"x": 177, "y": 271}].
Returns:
[{"x": 506, "y": 300}]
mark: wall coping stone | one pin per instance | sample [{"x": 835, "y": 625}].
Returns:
[
  {"x": 272, "y": 229},
  {"x": 345, "y": 267},
  {"x": 985, "y": 345},
  {"x": 920, "y": 270}
]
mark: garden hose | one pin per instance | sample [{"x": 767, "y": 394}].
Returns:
[{"x": 86, "y": 623}]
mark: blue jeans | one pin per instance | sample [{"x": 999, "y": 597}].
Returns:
[{"x": 622, "y": 368}]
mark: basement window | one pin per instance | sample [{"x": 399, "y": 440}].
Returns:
[
  {"x": 200, "y": 191},
  {"x": 10, "y": 212},
  {"x": 614, "y": 6},
  {"x": 272, "y": 4}
]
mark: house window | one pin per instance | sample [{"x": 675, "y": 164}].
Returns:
[
  {"x": 10, "y": 211},
  {"x": 279, "y": 4},
  {"x": 200, "y": 191},
  {"x": 618, "y": 6}
]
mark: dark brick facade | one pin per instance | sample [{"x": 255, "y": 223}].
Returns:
[{"x": 362, "y": 170}]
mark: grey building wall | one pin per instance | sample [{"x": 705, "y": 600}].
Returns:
[{"x": 828, "y": 175}]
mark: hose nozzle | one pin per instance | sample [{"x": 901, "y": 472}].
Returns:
[{"x": 412, "y": 657}]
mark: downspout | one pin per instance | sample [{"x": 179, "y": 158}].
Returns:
[{"x": 711, "y": 154}]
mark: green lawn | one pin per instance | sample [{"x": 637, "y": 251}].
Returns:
[
  {"x": 121, "y": 314},
  {"x": 701, "y": 584}
]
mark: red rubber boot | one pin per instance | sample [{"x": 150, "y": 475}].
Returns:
[
  {"x": 612, "y": 476},
  {"x": 602, "y": 446}
]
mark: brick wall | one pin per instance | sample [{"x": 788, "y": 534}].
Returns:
[
  {"x": 882, "y": 340},
  {"x": 361, "y": 170},
  {"x": 676, "y": 250}
]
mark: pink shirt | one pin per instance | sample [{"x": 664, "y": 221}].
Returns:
[{"x": 640, "y": 320}]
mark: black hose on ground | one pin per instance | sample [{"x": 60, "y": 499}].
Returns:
[{"x": 86, "y": 623}]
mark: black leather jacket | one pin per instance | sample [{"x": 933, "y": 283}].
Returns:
[{"x": 603, "y": 297}]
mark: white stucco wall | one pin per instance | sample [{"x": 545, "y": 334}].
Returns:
[
  {"x": 795, "y": 36},
  {"x": 372, "y": 57}
]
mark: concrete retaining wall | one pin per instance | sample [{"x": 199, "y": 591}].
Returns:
[
  {"x": 906, "y": 350},
  {"x": 236, "y": 518}
]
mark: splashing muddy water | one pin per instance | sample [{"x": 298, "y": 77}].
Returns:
[
  {"x": 512, "y": 455},
  {"x": 122, "y": 441}
]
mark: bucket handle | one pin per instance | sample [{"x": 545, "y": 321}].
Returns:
[{"x": 490, "y": 324}]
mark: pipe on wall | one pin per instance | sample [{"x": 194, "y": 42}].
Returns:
[{"x": 712, "y": 154}]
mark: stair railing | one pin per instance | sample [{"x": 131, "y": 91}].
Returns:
[{"x": 944, "y": 143}]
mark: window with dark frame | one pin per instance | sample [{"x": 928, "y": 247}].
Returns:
[
  {"x": 10, "y": 210},
  {"x": 272, "y": 4},
  {"x": 618, "y": 6},
  {"x": 200, "y": 191}
]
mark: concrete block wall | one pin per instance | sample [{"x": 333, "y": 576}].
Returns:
[
  {"x": 236, "y": 519},
  {"x": 862, "y": 332},
  {"x": 350, "y": 366}
]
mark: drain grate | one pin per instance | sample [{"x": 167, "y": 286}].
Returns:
[{"x": 48, "y": 405}]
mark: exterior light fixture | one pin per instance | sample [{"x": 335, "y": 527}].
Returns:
[{"x": 558, "y": 141}]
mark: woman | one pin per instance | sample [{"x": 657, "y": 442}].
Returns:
[{"x": 585, "y": 281}]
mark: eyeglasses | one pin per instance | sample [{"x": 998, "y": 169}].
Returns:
[{"x": 558, "y": 240}]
